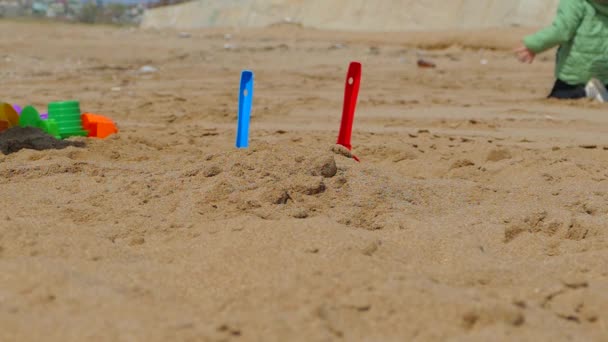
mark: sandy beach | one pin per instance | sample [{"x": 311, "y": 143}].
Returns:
[{"x": 479, "y": 210}]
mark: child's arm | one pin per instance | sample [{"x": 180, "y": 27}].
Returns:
[{"x": 569, "y": 16}]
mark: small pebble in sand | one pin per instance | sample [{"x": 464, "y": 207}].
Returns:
[
  {"x": 325, "y": 166},
  {"x": 372, "y": 248},
  {"x": 300, "y": 213}
]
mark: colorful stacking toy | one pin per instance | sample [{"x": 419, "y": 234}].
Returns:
[
  {"x": 64, "y": 120},
  {"x": 67, "y": 116}
]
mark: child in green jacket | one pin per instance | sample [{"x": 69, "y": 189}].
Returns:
[{"x": 581, "y": 32}]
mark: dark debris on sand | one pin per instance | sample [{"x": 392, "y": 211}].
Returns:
[{"x": 17, "y": 138}]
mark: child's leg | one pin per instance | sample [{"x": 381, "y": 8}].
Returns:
[
  {"x": 596, "y": 90},
  {"x": 565, "y": 91}
]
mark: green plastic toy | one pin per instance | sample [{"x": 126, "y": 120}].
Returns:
[
  {"x": 31, "y": 118},
  {"x": 67, "y": 117}
]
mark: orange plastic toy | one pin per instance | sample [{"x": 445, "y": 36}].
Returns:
[
  {"x": 9, "y": 115},
  {"x": 4, "y": 125},
  {"x": 98, "y": 126}
]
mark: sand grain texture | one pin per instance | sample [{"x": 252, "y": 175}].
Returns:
[{"x": 478, "y": 212}]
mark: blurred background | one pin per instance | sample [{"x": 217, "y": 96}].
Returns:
[
  {"x": 126, "y": 12},
  {"x": 350, "y": 15}
]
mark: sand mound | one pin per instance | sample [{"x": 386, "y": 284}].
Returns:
[
  {"x": 274, "y": 182},
  {"x": 18, "y": 138}
]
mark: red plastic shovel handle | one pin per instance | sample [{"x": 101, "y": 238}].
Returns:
[{"x": 351, "y": 93}]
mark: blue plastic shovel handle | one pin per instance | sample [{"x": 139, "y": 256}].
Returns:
[{"x": 245, "y": 104}]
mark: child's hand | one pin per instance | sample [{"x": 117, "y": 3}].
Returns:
[{"x": 525, "y": 55}]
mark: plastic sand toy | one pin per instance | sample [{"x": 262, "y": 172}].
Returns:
[
  {"x": 245, "y": 104},
  {"x": 67, "y": 116},
  {"x": 98, "y": 126},
  {"x": 8, "y": 114},
  {"x": 17, "y": 109},
  {"x": 63, "y": 120},
  {"x": 31, "y": 118},
  {"x": 351, "y": 94}
]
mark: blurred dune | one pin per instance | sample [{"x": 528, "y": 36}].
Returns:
[{"x": 354, "y": 15}]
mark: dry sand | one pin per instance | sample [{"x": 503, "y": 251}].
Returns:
[
  {"x": 478, "y": 212},
  {"x": 354, "y": 15}
]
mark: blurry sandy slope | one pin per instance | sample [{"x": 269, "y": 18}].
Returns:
[
  {"x": 478, "y": 212},
  {"x": 355, "y": 15}
]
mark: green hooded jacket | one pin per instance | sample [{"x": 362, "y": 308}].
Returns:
[{"x": 581, "y": 31}]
